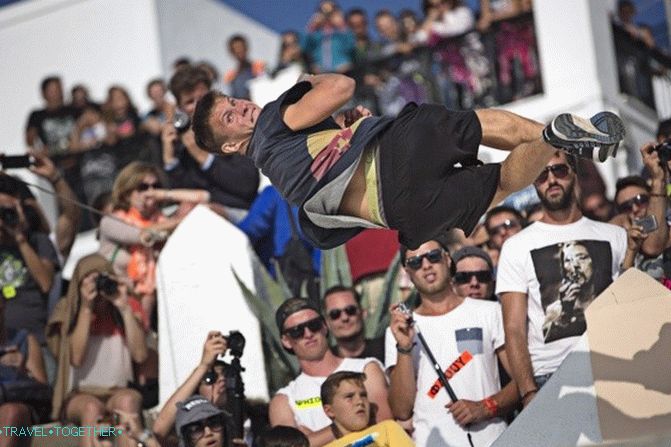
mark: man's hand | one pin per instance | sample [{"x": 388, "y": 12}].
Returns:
[
  {"x": 348, "y": 117},
  {"x": 215, "y": 345},
  {"x": 168, "y": 137},
  {"x": 635, "y": 238},
  {"x": 403, "y": 332},
  {"x": 467, "y": 412},
  {"x": 652, "y": 162},
  {"x": 44, "y": 167}
]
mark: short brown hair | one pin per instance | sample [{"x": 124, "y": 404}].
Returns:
[
  {"x": 186, "y": 79},
  {"x": 332, "y": 382},
  {"x": 205, "y": 136},
  {"x": 129, "y": 179}
]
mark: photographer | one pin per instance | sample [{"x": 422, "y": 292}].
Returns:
[
  {"x": 201, "y": 381},
  {"x": 97, "y": 332},
  {"x": 232, "y": 181},
  {"x": 330, "y": 45},
  {"x": 638, "y": 203},
  {"x": 28, "y": 261}
]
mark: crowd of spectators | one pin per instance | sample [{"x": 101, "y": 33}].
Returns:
[{"x": 93, "y": 350}]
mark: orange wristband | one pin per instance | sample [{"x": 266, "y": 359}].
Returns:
[{"x": 491, "y": 406}]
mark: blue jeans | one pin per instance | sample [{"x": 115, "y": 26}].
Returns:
[{"x": 542, "y": 380}]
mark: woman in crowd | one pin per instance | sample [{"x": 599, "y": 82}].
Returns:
[
  {"x": 137, "y": 196},
  {"x": 97, "y": 332}
]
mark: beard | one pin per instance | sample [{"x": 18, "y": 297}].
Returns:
[{"x": 561, "y": 202}]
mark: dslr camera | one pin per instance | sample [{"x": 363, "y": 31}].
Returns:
[
  {"x": 181, "y": 121},
  {"x": 106, "y": 285},
  {"x": 664, "y": 151},
  {"x": 9, "y": 216}
]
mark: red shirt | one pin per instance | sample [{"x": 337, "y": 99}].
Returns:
[
  {"x": 370, "y": 252},
  {"x": 104, "y": 324}
]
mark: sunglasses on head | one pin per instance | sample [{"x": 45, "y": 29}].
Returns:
[
  {"x": 146, "y": 186},
  {"x": 628, "y": 205},
  {"x": 350, "y": 310},
  {"x": 506, "y": 225},
  {"x": 297, "y": 332},
  {"x": 465, "y": 277},
  {"x": 559, "y": 171},
  {"x": 433, "y": 256},
  {"x": 196, "y": 430}
]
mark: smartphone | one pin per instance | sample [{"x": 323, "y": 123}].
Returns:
[
  {"x": 647, "y": 223},
  {"x": 16, "y": 161}
]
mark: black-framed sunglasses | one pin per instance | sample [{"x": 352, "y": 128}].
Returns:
[
  {"x": 350, "y": 310},
  {"x": 505, "y": 225},
  {"x": 464, "y": 277},
  {"x": 560, "y": 171},
  {"x": 142, "y": 187},
  {"x": 434, "y": 256},
  {"x": 196, "y": 430},
  {"x": 628, "y": 205},
  {"x": 297, "y": 332}
]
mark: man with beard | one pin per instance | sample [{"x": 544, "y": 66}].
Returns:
[
  {"x": 549, "y": 273},
  {"x": 465, "y": 336}
]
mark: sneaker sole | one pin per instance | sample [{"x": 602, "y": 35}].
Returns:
[
  {"x": 611, "y": 124},
  {"x": 575, "y": 130}
]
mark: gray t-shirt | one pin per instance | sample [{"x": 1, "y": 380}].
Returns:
[{"x": 25, "y": 304}]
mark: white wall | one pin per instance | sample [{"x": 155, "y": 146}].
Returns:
[{"x": 96, "y": 42}]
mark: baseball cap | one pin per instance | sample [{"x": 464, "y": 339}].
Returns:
[
  {"x": 194, "y": 409},
  {"x": 468, "y": 251},
  {"x": 290, "y": 307}
]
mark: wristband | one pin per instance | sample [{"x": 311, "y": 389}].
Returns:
[
  {"x": 405, "y": 350},
  {"x": 491, "y": 406}
]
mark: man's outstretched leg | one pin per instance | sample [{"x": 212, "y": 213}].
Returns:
[{"x": 531, "y": 144}]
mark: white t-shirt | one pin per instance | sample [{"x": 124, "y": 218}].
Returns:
[
  {"x": 561, "y": 268},
  {"x": 464, "y": 343},
  {"x": 304, "y": 398}
]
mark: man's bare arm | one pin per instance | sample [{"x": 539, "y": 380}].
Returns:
[
  {"x": 514, "y": 306},
  {"x": 328, "y": 94},
  {"x": 376, "y": 386}
]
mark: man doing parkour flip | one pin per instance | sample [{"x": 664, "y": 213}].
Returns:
[{"x": 417, "y": 173}]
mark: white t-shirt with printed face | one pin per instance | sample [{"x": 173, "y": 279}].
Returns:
[
  {"x": 464, "y": 343},
  {"x": 562, "y": 269}
]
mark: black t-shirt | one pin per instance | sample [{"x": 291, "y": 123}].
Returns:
[
  {"x": 25, "y": 304},
  {"x": 54, "y": 127}
]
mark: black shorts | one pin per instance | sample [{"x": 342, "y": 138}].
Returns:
[{"x": 423, "y": 193}]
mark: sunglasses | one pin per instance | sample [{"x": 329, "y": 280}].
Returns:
[
  {"x": 559, "y": 171},
  {"x": 506, "y": 225},
  {"x": 433, "y": 256},
  {"x": 350, "y": 310},
  {"x": 297, "y": 332},
  {"x": 196, "y": 430},
  {"x": 142, "y": 187},
  {"x": 465, "y": 277},
  {"x": 628, "y": 205}
]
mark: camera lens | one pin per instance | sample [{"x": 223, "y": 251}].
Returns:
[
  {"x": 106, "y": 285},
  {"x": 181, "y": 121}
]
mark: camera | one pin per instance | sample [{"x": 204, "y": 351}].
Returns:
[
  {"x": 647, "y": 223},
  {"x": 664, "y": 151},
  {"x": 236, "y": 343},
  {"x": 181, "y": 121},
  {"x": 16, "y": 161},
  {"x": 9, "y": 216},
  {"x": 106, "y": 285}
]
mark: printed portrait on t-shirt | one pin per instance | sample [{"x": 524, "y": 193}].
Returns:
[{"x": 571, "y": 275}]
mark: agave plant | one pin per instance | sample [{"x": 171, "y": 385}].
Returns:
[{"x": 282, "y": 367}]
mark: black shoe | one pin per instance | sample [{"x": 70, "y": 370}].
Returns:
[{"x": 580, "y": 137}]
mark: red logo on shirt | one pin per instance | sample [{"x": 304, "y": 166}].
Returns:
[
  {"x": 328, "y": 156},
  {"x": 451, "y": 370}
]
